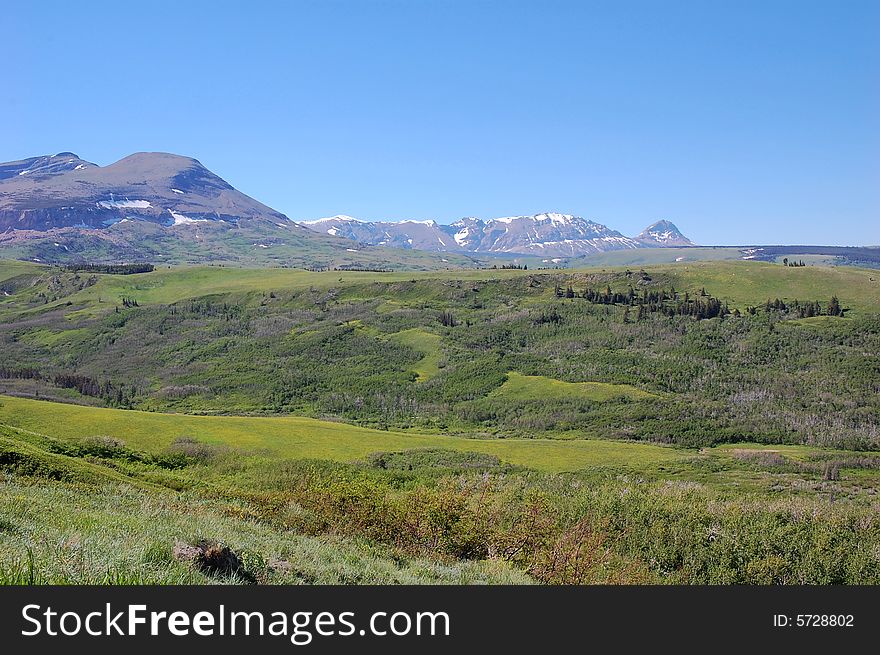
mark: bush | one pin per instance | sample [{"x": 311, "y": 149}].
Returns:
[
  {"x": 432, "y": 458},
  {"x": 191, "y": 451}
]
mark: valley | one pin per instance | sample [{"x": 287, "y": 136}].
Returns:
[{"x": 687, "y": 422}]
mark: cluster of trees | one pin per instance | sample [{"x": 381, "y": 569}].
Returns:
[
  {"x": 447, "y": 319},
  {"x": 667, "y": 303},
  {"x": 114, "y": 269},
  {"x": 206, "y": 308},
  {"x": 348, "y": 268},
  {"x": 7, "y": 373},
  {"x": 512, "y": 267},
  {"x": 552, "y": 316},
  {"x": 799, "y": 308},
  {"x": 362, "y": 269},
  {"x": 111, "y": 393},
  {"x": 792, "y": 263}
]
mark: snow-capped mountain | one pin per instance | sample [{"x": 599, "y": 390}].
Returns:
[
  {"x": 542, "y": 234},
  {"x": 65, "y": 191},
  {"x": 416, "y": 235},
  {"x": 45, "y": 165},
  {"x": 162, "y": 207},
  {"x": 158, "y": 205},
  {"x": 550, "y": 234},
  {"x": 663, "y": 234}
]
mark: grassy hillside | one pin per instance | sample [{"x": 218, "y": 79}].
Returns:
[
  {"x": 428, "y": 344},
  {"x": 99, "y": 511},
  {"x": 297, "y": 438},
  {"x": 71, "y": 520},
  {"x": 439, "y": 352},
  {"x": 10, "y": 268},
  {"x": 751, "y": 283},
  {"x": 740, "y": 283},
  {"x": 527, "y": 387}
]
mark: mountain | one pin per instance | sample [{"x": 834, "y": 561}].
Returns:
[
  {"x": 414, "y": 235},
  {"x": 663, "y": 234},
  {"x": 65, "y": 191},
  {"x": 557, "y": 235},
  {"x": 548, "y": 234},
  {"x": 162, "y": 207},
  {"x": 45, "y": 165}
]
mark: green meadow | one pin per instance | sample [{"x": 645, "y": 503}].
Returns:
[
  {"x": 592, "y": 425},
  {"x": 292, "y": 437},
  {"x": 428, "y": 344},
  {"x": 525, "y": 387}
]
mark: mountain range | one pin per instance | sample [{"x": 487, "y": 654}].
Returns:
[
  {"x": 549, "y": 234},
  {"x": 160, "y": 207},
  {"x": 164, "y": 207}
]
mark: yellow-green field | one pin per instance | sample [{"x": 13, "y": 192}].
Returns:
[
  {"x": 531, "y": 387},
  {"x": 297, "y": 437},
  {"x": 426, "y": 343}
]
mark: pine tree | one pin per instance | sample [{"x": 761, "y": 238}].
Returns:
[{"x": 834, "y": 307}]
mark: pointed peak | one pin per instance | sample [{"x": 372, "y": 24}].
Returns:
[
  {"x": 662, "y": 224},
  {"x": 663, "y": 233}
]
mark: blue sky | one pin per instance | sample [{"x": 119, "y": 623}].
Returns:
[{"x": 742, "y": 122}]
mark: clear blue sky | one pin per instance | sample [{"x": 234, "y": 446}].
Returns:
[{"x": 752, "y": 122}]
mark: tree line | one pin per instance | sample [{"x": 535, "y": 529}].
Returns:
[
  {"x": 649, "y": 301},
  {"x": 112, "y": 394},
  {"x": 113, "y": 269},
  {"x": 800, "y": 308}
]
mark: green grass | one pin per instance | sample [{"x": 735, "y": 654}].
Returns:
[
  {"x": 341, "y": 502},
  {"x": 296, "y": 437},
  {"x": 50, "y": 339},
  {"x": 739, "y": 282},
  {"x": 424, "y": 342},
  {"x": 118, "y": 534},
  {"x": 173, "y": 284},
  {"x": 809, "y": 260},
  {"x": 801, "y": 453},
  {"x": 533, "y": 387},
  {"x": 18, "y": 454},
  {"x": 752, "y": 283},
  {"x": 10, "y": 268}
]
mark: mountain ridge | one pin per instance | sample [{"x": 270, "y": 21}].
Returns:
[
  {"x": 549, "y": 233},
  {"x": 148, "y": 203},
  {"x": 163, "y": 207}
]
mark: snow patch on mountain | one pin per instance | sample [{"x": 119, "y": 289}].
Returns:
[
  {"x": 182, "y": 219},
  {"x": 124, "y": 204},
  {"x": 338, "y": 217}
]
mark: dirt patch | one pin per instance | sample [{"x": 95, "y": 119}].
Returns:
[{"x": 213, "y": 559}]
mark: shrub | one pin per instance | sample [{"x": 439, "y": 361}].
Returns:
[
  {"x": 190, "y": 451},
  {"x": 432, "y": 458},
  {"x": 103, "y": 446}
]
